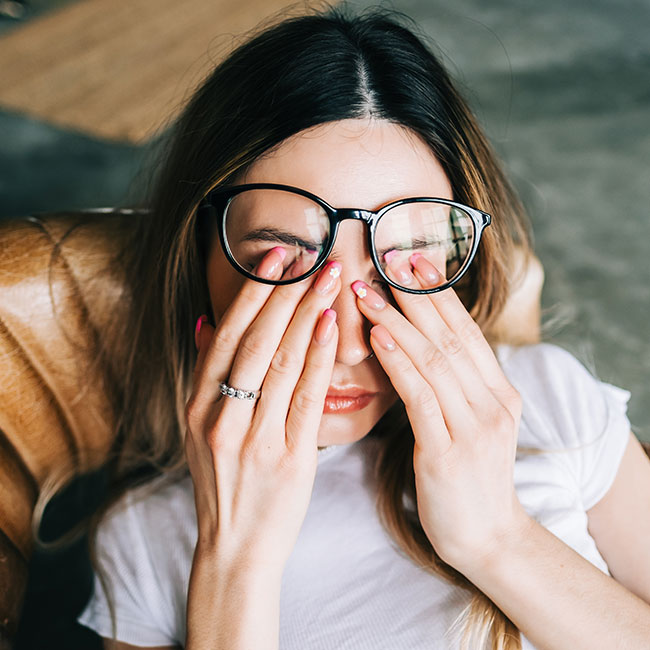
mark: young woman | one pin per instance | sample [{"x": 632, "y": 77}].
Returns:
[{"x": 345, "y": 460}]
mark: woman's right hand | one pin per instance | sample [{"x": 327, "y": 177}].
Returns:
[{"x": 253, "y": 463}]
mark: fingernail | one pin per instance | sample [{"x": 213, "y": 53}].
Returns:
[
  {"x": 425, "y": 268},
  {"x": 327, "y": 278},
  {"x": 401, "y": 271},
  {"x": 390, "y": 256},
  {"x": 381, "y": 335},
  {"x": 272, "y": 261},
  {"x": 325, "y": 327},
  {"x": 369, "y": 297},
  {"x": 299, "y": 266},
  {"x": 197, "y": 330},
  {"x": 404, "y": 275}
]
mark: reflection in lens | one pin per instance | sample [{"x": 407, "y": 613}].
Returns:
[
  {"x": 441, "y": 233},
  {"x": 260, "y": 219}
]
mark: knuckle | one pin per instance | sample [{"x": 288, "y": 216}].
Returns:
[
  {"x": 219, "y": 442},
  {"x": 502, "y": 419},
  {"x": 424, "y": 401},
  {"x": 226, "y": 339},
  {"x": 251, "y": 347},
  {"x": 435, "y": 360},
  {"x": 470, "y": 332},
  {"x": 450, "y": 344},
  {"x": 514, "y": 400},
  {"x": 304, "y": 401},
  {"x": 291, "y": 292},
  {"x": 284, "y": 361},
  {"x": 509, "y": 396}
]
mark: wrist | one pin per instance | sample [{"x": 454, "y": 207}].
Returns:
[
  {"x": 232, "y": 603},
  {"x": 510, "y": 538},
  {"x": 235, "y": 563}
]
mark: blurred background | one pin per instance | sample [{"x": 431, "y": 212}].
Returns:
[{"x": 562, "y": 89}]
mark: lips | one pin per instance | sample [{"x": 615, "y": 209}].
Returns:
[
  {"x": 348, "y": 391},
  {"x": 347, "y": 399}
]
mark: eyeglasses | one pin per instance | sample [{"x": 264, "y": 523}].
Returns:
[{"x": 256, "y": 217}]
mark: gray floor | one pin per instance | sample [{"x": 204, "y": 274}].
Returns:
[{"x": 563, "y": 89}]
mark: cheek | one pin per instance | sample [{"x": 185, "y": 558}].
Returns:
[{"x": 223, "y": 281}]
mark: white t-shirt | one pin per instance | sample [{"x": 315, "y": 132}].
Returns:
[{"x": 347, "y": 585}]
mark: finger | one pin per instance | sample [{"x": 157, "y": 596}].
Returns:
[
  {"x": 285, "y": 360},
  {"x": 273, "y": 349},
  {"x": 308, "y": 400},
  {"x": 197, "y": 405},
  {"x": 420, "y": 310},
  {"x": 203, "y": 333},
  {"x": 301, "y": 264},
  {"x": 217, "y": 352},
  {"x": 422, "y": 406},
  {"x": 434, "y": 366},
  {"x": 459, "y": 321},
  {"x": 195, "y": 449}
]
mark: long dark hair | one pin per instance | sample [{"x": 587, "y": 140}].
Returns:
[{"x": 298, "y": 73}]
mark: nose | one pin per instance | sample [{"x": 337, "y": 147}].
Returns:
[{"x": 354, "y": 328}]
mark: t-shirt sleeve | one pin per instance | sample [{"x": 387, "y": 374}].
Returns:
[
  {"x": 141, "y": 614},
  {"x": 572, "y": 413}
]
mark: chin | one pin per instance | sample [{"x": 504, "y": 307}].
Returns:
[
  {"x": 339, "y": 435},
  {"x": 345, "y": 428}
]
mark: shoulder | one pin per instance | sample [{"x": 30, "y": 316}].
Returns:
[
  {"x": 539, "y": 362},
  {"x": 580, "y": 420},
  {"x": 560, "y": 395},
  {"x": 134, "y": 523},
  {"x": 143, "y": 567}
]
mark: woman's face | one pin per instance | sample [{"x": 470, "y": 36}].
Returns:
[{"x": 350, "y": 164}]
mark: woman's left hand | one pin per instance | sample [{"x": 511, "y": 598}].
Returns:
[{"x": 463, "y": 411}]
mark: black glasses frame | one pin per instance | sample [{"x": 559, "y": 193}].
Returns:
[{"x": 219, "y": 199}]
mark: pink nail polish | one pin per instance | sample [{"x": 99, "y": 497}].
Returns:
[
  {"x": 381, "y": 335},
  {"x": 400, "y": 270},
  {"x": 197, "y": 330},
  {"x": 325, "y": 328},
  {"x": 272, "y": 261},
  {"x": 360, "y": 288},
  {"x": 327, "y": 278},
  {"x": 390, "y": 256},
  {"x": 405, "y": 276},
  {"x": 426, "y": 270},
  {"x": 370, "y": 297}
]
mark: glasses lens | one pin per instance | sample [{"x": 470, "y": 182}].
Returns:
[
  {"x": 258, "y": 220},
  {"x": 443, "y": 234}
]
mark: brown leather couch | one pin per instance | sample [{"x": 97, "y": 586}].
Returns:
[{"x": 57, "y": 286}]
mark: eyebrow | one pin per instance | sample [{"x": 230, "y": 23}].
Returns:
[
  {"x": 416, "y": 243},
  {"x": 276, "y": 235}
]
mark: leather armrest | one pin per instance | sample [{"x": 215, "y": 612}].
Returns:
[{"x": 57, "y": 287}]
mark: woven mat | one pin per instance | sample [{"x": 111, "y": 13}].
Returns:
[{"x": 120, "y": 69}]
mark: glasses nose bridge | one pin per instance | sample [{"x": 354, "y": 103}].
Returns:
[{"x": 366, "y": 216}]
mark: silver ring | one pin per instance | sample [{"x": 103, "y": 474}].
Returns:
[{"x": 238, "y": 393}]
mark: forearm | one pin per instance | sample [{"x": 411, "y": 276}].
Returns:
[
  {"x": 231, "y": 606},
  {"x": 557, "y": 598}
]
